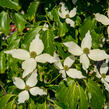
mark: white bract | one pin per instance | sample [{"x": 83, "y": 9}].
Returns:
[
  {"x": 85, "y": 51},
  {"x": 45, "y": 27},
  {"x": 66, "y": 67},
  {"x": 102, "y": 75},
  {"x": 34, "y": 55},
  {"x": 27, "y": 88},
  {"x": 66, "y": 14},
  {"x": 103, "y": 19}
]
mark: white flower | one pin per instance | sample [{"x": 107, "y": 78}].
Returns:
[
  {"x": 27, "y": 88},
  {"x": 45, "y": 27},
  {"x": 103, "y": 19},
  {"x": 66, "y": 67},
  {"x": 66, "y": 14},
  {"x": 85, "y": 51},
  {"x": 34, "y": 55},
  {"x": 102, "y": 75}
]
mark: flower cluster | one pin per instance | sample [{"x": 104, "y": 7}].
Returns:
[
  {"x": 35, "y": 55},
  {"x": 30, "y": 59}
]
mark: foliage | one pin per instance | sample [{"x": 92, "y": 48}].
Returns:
[{"x": 20, "y": 21}]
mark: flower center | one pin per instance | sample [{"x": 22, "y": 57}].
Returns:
[
  {"x": 67, "y": 16},
  {"x": 27, "y": 87},
  {"x": 66, "y": 68},
  {"x": 33, "y": 54},
  {"x": 86, "y": 50},
  {"x": 103, "y": 75}
]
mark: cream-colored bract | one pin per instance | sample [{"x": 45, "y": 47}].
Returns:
[
  {"x": 28, "y": 87},
  {"x": 85, "y": 51},
  {"x": 32, "y": 56},
  {"x": 66, "y": 14},
  {"x": 102, "y": 75},
  {"x": 103, "y": 19},
  {"x": 66, "y": 67}
]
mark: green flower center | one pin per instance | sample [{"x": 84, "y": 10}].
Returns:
[
  {"x": 67, "y": 16},
  {"x": 86, "y": 50},
  {"x": 33, "y": 54},
  {"x": 66, "y": 68},
  {"x": 103, "y": 75},
  {"x": 27, "y": 87}
]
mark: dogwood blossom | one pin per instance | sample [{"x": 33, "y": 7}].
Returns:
[
  {"x": 103, "y": 19},
  {"x": 102, "y": 75},
  {"x": 66, "y": 67},
  {"x": 34, "y": 55},
  {"x": 85, "y": 51},
  {"x": 66, "y": 14},
  {"x": 28, "y": 87}
]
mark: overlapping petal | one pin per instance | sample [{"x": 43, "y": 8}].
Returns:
[
  {"x": 36, "y": 45},
  {"x": 87, "y": 41},
  {"x": 85, "y": 61},
  {"x": 28, "y": 66},
  {"x": 19, "y": 83},
  {"x": 37, "y": 91},
  {"x": 43, "y": 58},
  {"x": 69, "y": 61},
  {"x": 23, "y": 96},
  {"x": 73, "y": 48},
  {"x": 104, "y": 68},
  {"x": 18, "y": 53},
  {"x": 63, "y": 11},
  {"x": 102, "y": 18},
  {"x": 72, "y": 12},
  {"x": 63, "y": 74},
  {"x": 32, "y": 80},
  {"x": 69, "y": 21},
  {"x": 97, "y": 72},
  {"x": 107, "y": 78},
  {"x": 57, "y": 64},
  {"x": 73, "y": 73},
  {"x": 98, "y": 55}
]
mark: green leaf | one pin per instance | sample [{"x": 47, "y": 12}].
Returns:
[
  {"x": 96, "y": 39},
  {"x": 62, "y": 27},
  {"x": 83, "y": 98},
  {"x": 2, "y": 62},
  {"x": 29, "y": 36},
  {"x": 55, "y": 15},
  {"x": 71, "y": 95},
  {"x": 20, "y": 22},
  {"x": 88, "y": 24},
  {"x": 20, "y": 107},
  {"x": 12, "y": 4},
  {"x": 60, "y": 50},
  {"x": 10, "y": 105},
  {"x": 4, "y": 22},
  {"x": 42, "y": 106},
  {"x": 13, "y": 41},
  {"x": 97, "y": 97},
  {"x": 48, "y": 39},
  {"x": 32, "y": 105},
  {"x": 4, "y": 100},
  {"x": 67, "y": 96},
  {"x": 32, "y": 10}
]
